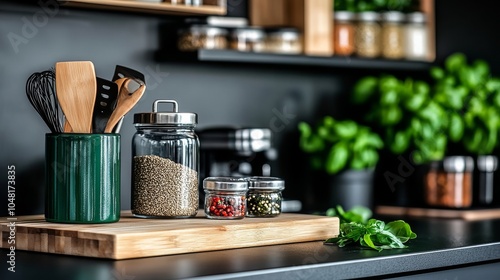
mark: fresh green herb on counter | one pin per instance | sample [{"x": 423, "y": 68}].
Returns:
[{"x": 356, "y": 226}]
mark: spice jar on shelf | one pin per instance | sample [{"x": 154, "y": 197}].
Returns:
[
  {"x": 165, "y": 164},
  {"x": 448, "y": 183},
  {"x": 225, "y": 197},
  {"x": 368, "y": 35},
  {"x": 416, "y": 36},
  {"x": 264, "y": 196},
  {"x": 343, "y": 33},
  {"x": 284, "y": 41},
  {"x": 248, "y": 39},
  {"x": 202, "y": 37},
  {"x": 393, "y": 35}
]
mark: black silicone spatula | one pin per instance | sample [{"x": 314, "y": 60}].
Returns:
[{"x": 106, "y": 97}]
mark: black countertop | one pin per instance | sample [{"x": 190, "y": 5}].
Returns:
[{"x": 442, "y": 245}]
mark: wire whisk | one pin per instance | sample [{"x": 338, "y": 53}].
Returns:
[{"x": 41, "y": 92}]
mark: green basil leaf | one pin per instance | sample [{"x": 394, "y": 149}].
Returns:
[
  {"x": 337, "y": 157},
  {"x": 364, "y": 89}
]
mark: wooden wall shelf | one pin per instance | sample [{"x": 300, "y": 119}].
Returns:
[
  {"x": 147, "y": 7},
  {"x": 343, "y": 62}
]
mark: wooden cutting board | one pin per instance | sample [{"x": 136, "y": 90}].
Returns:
[{"x": 134, "y": 238}]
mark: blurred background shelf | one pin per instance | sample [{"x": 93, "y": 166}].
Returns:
[
  {"x": 147, "y": 7},
  {"x": 231, "y": 56}
]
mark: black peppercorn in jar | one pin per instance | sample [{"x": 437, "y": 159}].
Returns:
[
  {"x": 264, "y": 196},
  {"x": 225, "y": 197},
  {"x": 165, "y": 164}
]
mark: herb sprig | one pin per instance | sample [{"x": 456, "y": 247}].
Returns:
[{"x": 356, "y": 226}]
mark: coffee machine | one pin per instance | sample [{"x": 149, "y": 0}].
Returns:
[{"x": 239, "y": 152}]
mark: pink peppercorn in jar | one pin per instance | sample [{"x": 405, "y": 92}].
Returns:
[{"x": 225, "y": 197}]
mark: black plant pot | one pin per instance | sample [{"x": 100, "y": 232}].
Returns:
[{"x": 351, "y": 188}]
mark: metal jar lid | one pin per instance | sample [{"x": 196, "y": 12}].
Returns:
[
  {"x": 368, "y": 16},
  {"x": 205, "y": 29},
  {"x": 225, "y": 184},
  {"x": 454, "y": 164},
  {"x": 288, "y": 34},
  {"x": 249, "y": 33},
  {"x": 165, "y": 118},
  {"x": 266, "y": 183},
  {"x": 393, "y": 17},
  {"x": 344, "y": 16},
  {"x": 416, "y": 17}
]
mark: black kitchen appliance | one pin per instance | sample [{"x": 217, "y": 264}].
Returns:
[{"x": 239, "y": 152}]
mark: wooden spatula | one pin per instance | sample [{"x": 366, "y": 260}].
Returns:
[
  {"x": 76, "y": 91},
  {"x": 126, "y": 101}
]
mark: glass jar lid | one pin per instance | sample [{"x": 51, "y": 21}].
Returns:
[
  {"x": 368, "y": 16},
  {"x": 249, "y": 33},
  {"x": 289, "y": 33},
  {"x": 266, "y": 183},
  {"x": 416, "y": 17},
  {"x": 393, "y": 17},
  {"x": 454, "y": 164},
  {"x": 225, "y": 184},
  {"x": 165, "y": 118},
  {"x": 205, "y": 29},
  {"x": 344, "y": 16}
]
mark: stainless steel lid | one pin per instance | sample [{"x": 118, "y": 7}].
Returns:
[
  {"x": 393, "y": 17},
  {"x": 368, "y": 16},
  {"x": 205, "y": 29},
  {"x": 344, "y": 16},
  {"x": 416, "y": 17},
  {"x": 266, "y": 183},
  {"x": 249, "y": 33},
  {"x": 225, "y": 184},
  {"x": 165, "y": 118},
  {"x": 487, "y": 163},
  {"x": 458, "y": 164}
]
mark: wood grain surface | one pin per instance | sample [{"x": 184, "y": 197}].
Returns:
[
  {"x": 465, "y": 214},
  {"x": 134, "y": 237}
]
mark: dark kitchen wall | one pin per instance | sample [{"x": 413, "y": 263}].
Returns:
[{"x": 33, "y": 38}]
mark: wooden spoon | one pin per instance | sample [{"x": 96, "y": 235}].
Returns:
[
  {"x": 76, "y": 91},
  {"x": 126, "y": 101}
]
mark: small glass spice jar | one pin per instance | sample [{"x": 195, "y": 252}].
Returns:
[
  {"x": 284, "y": 41},
  {"x": 202, "y": 37},
  {"x": 368, "y": 35},
  {"x": 448, "y": 183},
  {"x": 225, "y": 197},
  {"x": 264, "y": 196},
  {"x": 393, "y": 35},
  {"x": 344, "y": 30},
  {"x": 165, "y": 164},
  {"x": 248, "y": 39},
  {"x": 416, "y": 37}
]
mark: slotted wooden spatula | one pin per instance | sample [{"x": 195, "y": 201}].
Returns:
[{"x": 76, "y": 91}]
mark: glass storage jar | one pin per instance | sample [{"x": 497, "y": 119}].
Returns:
[
  {"x": 368, "y": 35},
  {"x": 343, "y": 33},
  {"x": 448, "y": 183},
  {"x": 202, "y": 37},
  {"x": 393, "y": 35},
  {"x": 264, "y": 196},
  {"x": 284, "y": 40},
  {"x": 225, "y": 197},
  {"x": 248, "y": 39},
  {"x": 416, "y": 37},
  {"x": 165, "y": 164}
]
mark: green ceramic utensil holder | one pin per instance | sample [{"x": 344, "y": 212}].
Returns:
[{"x": 82, "y": 178}]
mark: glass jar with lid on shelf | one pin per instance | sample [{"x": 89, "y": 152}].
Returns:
[
  {"x": 202, "y": 37},
  {"x": 284, "y": 41},
  {"x": 248, "y": 39},
  {"x": 344, "y": 32},
  {"x": 416, "y": 37},
  {"x": 393, "y": 35},
  {"x": 368, "y": 35}
]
